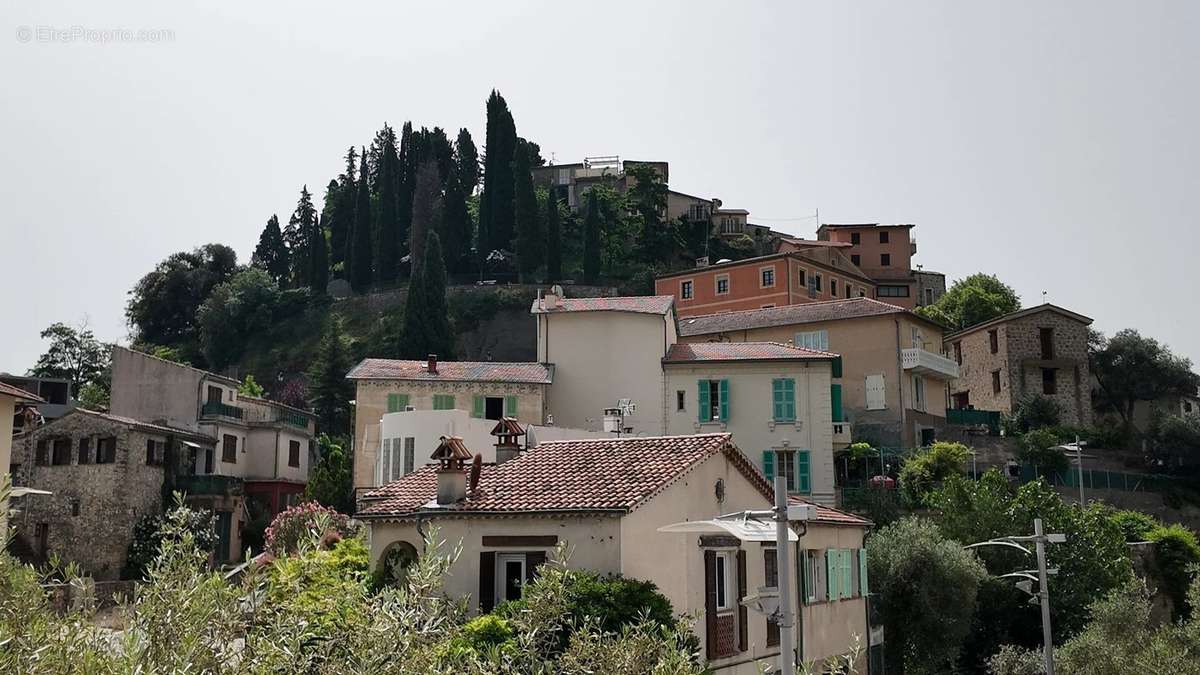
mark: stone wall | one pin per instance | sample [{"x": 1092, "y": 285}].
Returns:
[{"x": 107, "y": 498}]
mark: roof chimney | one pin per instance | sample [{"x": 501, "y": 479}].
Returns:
[
  {"x": 508, "y": 433},
  {"x": 553, "y": 297},
  {"x": 432, "y": 367},
  {"x": 451, "y": 455}
]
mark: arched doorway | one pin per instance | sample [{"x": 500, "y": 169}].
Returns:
[{"x": 395, "y": 562}]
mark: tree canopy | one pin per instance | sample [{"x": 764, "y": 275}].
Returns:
[
  {"x": 973, "y": 300},
  {"x": 1132, "y": 368},
  {"x": 74, "y": 354},
  {"x": 328, "y": 387}
]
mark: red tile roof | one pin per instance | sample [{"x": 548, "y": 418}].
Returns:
[
  {"x": 682, "y": 352},
  {"x": 606, "y": 474},
  {"x": 453, "y": 371},
  {"x": 831, "y": 516},
  {"x": 19, "y": 394},
  {"x": 137, "y": 424},
  {"x": 797, "y": 241},
  {"x": 638, "y": 304},
  {"x": 787, "y": 315}
]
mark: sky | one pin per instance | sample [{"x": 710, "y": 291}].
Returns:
[{"x": 1055, "y": 144}]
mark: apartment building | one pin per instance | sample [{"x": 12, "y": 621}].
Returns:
[
  {"x": 884, "y": 253},
  {"x": 54, "y": 392},
  {"x": 1040, "y": 351},
  {"x": 889, "y": 383},
  {"x": 809, "y": 274}
]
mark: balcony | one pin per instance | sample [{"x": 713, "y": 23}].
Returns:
[
  {"x": 209, "y": 485},
  {"x": 927, "y": 363},
  {"x": 293, "y": 418},
  {"x": 215, "y": 409},
  {"x": 841, "y": 434}
]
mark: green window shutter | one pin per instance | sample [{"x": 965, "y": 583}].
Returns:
[
  {"x": 510, "y": 406},
  {"x": 392, "y": 402},
  {"x": 835, "y": 397},
  {"x": 837, "y": 367},
  {"x": 443, "y": 402},
  {"x": 769, "y": 464},
  {"x": 847, "y": 591},
  {"x": 477, "y": 406},
  {"x": 810, "y": 593},
  {"x": 863, "y": 588},
  {"x": 777, "y": 399},
  {"x": 789, "y": 399},
  {"x": 783, "y": 399},
  {"x": 804, "y": 471},
  {"x": 705, "y": 404},
  {"x": 724, "y": 389},
  {"x": 831, "y": 574}
]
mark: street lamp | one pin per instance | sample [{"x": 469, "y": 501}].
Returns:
[
  {"x": 1077, "y": 449},
  {"x": 1040, "y": 539}
]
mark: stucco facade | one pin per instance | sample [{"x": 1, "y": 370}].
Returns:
[{"x": 1038, "y": 351}]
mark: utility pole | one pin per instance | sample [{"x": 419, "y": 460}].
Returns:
[{"x": 783, "y": 564}]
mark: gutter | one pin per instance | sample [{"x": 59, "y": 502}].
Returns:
[{"x": 900, "y": 380}]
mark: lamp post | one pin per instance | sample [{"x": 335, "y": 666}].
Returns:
[
  {"x": 783, "y": 565},
  {"x": 1077, "y": 449}
]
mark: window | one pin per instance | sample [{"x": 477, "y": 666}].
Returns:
[
  {"x": 1049, "y": 381},
  {"x": 214, "y": 394},
  {"x": 41, "y": 455},
  {"x": 1046, "y": 337},
  {"x": 958, "y": 353},
  {"x": 848, "y": 291},
  {"x": 891, "y": 292},
  {"x": 993, "y": 340},
  {"x": 995, "y": 382},
  {"x": 229, "y": 449},
  {"x": 443, "y": 402},
  {"x": 510, "y": 576},
  {"x": 795, "y": 466},
  {"x": 685, "y": 290},
  {"x": 391, "y": 463},
  {"x": 813, "y": 339},
  {"x": 208, "y": 460},
  {"x": 771, "y": 577},
  {"x": 397, "y": 402},
  {"x": 817, "y": 282},
  {"x": 883, "y": 237},
  {"x": 919, "y": 392},
  {"x": 876, "y": 391},
  {"x": 294, "y": 454},
  {"x": 801, "y": 278},
  {"x": 722, "y": 284},
  {"x": 713, "y": 400},
  {"x": 410, "y": 449},
  {"x": 680, "y": 400},
  {"x": 724, "y": 581},
  {"x": 855, "y": 238},
  {"x": 783, "y": 397},
  {"x": 916, "y": 339},
  {"x": 813, "y": 576},
  {"x": 154, "y": 451},
  {"x": 61, "y": 454},
  {"x": 856, "y": 259},
  {"x": 766, "y": 277},
  {"x": 885, "y": 259},
  {"x": 833, "y": 288},
  {"x": 106, "y": 450},
  {"x": 75, "y": 507},
  {"x": 85, "y": 450},
  {"x": 929, "y": 296},
  {"x": 862, "y": 292}
]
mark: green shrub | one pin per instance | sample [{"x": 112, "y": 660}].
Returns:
[
  {"x": 151, "y": 531},
  {"x": 322, "y": 587},
  {"x": 1033, "y": 412},
  {"x": 924, "y": 472},
  {"x": 1135, "y": 525},
  {"x": 299, "y": 523},
  {"x": 481, "y": 635},
  {"x": 1039, "y": 447},
  {"x": 1176, "y": 555}
]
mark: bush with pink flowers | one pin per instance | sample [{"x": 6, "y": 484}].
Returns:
[{"x": 307, "y": 522}]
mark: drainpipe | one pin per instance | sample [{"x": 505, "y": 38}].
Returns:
[{"x": 900, "y": 382}]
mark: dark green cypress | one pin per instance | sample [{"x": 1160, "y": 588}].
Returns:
[
  {"x": 343, "y": 212},
  {"x": 413, "y": 342},
  {"x": 553, "y": 238},
  {"x": 406, "y": 181},
  {"x": 271, "y": 254},
  {"x": 300, "y": 229},
  {"x": 358, "y": 255},
  {"x": 437, "y": 313},
  {"x": 456, "y": 225},
  {"x": 496, "y": 215},
  {"x": 387, "y": 254},
  {"x": 591, "y": 240},
  {"x": 425, "y": 198},
  {"x": 530, "y": 238},
  {"x": 328, "y": 387},
  {"x": 318, "y": 274},
  {"x": 466, "y": 159}
]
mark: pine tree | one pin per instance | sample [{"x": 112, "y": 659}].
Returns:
[
  {"x": 387, "y": 253},
  {"x": 358, "y": 255},
  {"x": 413, "y": 340},
  {"x": 425, "y": 206},
  {"x": 300, "y": 228},
  {"x": 455, "y": 231},
  {"x": 530, "y": 238},
  {"x": 466, "y": 160},
  {"x": 271, "y": 254},
  {"x": 437, "y": 313},
  {"x": 318, "y": 274},
  {"x": 591, "y": 239},
  {"x": 647, "y": 200},
  {"x": 328, "y": 387},
  {"x": 343, "y": 212},
  {"x": 496, "y": 214},
  {"x": 553, "y": 238}
]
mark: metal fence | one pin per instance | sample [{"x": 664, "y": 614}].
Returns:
[
  {"x": 970, "y": 417},
  {"x": 1100, "y": 479}
]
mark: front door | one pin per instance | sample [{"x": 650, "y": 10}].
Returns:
[{"x": 510, "y": 576}]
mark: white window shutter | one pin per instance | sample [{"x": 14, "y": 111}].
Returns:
[{"x": 876, "y": 392}]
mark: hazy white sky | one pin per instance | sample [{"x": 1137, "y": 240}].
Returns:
[{"x": 1054, "y": 144}]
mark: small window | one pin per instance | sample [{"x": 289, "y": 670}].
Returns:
[
  {"x": 849, "y": 293},
  {"x": 817, "y": 283},
  {"x": 85, "y": 450},
  {"x": 714, "y": 399},
  {"x": 891, "y": 292},
  {"x": 958, "y": 353},
  {"x": 229, "y": 449},
  {"x": 106, "y": 450},
  {"x": 928, "y": 296},
  {"x": 919, "y": 392},
  {"x": 154, "y": 452},
  {"x": 856, "y": 259},
  {"x": 767, "y": 277},
  {"x": 685, "y": 290},
  {"x": 722, "y": 284},
  {"x": 294, "y": 453},
  {"x": 995, "y": 382},
  {"x": 883, "y": 237},
  {"x": 885, "y": 259},
  {"x": 1046, "y": 337},
  {"x": 833, "y": 291},
  {"x": 680, "y": 400},
  {"x": 42, "y": 454},
  {"x": 493, "y": 407},
  {"x": 801, "y": 277},
  {"x": 1049, "y": 381},
  {"x": 510, "y": 576},
  {"x": 410, "y": 448},
  {"x": 993, "y": 340},
  {"x": 862, "y": 293},
  {"x": 724, "y": 580},
  {"x": 813, "y": 339},
  {"x": 75, "y": 507},
  {"x": 855, "y": 238},
  {"x": 61, "y": 455},
  {"x": 443, "y": 402}
]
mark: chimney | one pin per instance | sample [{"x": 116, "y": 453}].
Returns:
[
  {"x": 432, "y": 366},
  {"x": 508, "y": 433},
  {"x": 451, "y": 473},
  {"x": 553, "y": 298}
]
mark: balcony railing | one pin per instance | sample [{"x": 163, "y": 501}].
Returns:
[
  {"x": 214, "y": 409},
  {"x": 927, "y": 363},
  {"x": 209, "y": 485},
  {"x": 971, "y": 417},
  {"x": 293, "y": 418}
]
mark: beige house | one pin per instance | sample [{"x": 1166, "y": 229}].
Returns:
[
  {"x": 607, "y": 500},
  {"x": 1040, "y": 351},
  {"x": 889, "y": 386},
  {"x": 486, "y": 389}
]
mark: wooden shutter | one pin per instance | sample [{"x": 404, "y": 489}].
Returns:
[
  {"x": 876, "y": 392},
  {"x": 724, "y": 390},
  {"x": 844, "y": 574},
  {"x": 820, "y": 582},
  {"x": 391, "y": 402},
  {"x": 533, "y": 560},
  {"x": 487, "y": 581},
  {"x": 705, "y": 403},
  {"x": 742, "y": 613},
  {"x": 835, "y": 399},
  {"x": 837, "y": 367},
  {"x": 789, "y": 399},
  {"x": 777, "y": 399},
  {"x": 510, "y": 406},
  {"x": 477, "y": 406},
  {"x": 385, "y": 462},
  {"x": 710, "y": 604},
  {"x": 863, "y": 588},
  {"x": 803, "y": 471},
  {"x": 832, "y": 587},
  {"x": 769, "y": 464}
]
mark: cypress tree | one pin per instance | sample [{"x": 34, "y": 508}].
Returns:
[
  {"x": 413, "y": 342},
  {"x": 496, "y": 214},
  {"x": 466, "y": 160},
  {"x": 343, "y": 212},
  {"x": 328, "y": 386},
  {"x": 591, "y": 239},
  {"x": 318, "y": 275},
  {"x": 553, "y": 238},
  {"x": 425, "y": 198},
  {"x": 299, "y": 230},
  {"x": 530, "y": 238},
  {"x": 358, "y": 255},
  {"x": 433, "y": 271},
  {"x": 406, "y": 180},
  {"x": 387, "y": 254},
  {"x": 455, "y": 231},
  {"x": 271, "y": 254}
]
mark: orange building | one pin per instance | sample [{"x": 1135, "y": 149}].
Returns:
[
  {"x": 819, "y": 272},
  {"x": 884, "y": 253}
]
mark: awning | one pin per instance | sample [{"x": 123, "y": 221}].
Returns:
[
  {"x": 743, "y": 529},
  {"x": 23, "y": 491},
  {"x": 190, "y": 444}
]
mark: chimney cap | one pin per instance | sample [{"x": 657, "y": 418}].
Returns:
[
  {"x": 508, "y": 426},
  {"x": 451, "y": 448}
]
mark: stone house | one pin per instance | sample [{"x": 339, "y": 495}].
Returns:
[
  {"x": 103, "y": 472},
  {"x": 10, "y": 397},
  {"x": 1040, "y": 350},
  {"x": 625, "y": 506},
  {"x": 888, "y": 385}
]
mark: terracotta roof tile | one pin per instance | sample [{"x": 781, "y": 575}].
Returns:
[
  {"x": 139, "y": 424},
  {"x": 606, "y": 474},
  {"x": 453, "y": 371},
  {"x": 639, "y": 304},
  {"x": 830, "y": 515},
  {"x": 787, "y": 315},
  {"x": 19, "y": 393},
  {"x": 684, "y": 352}
]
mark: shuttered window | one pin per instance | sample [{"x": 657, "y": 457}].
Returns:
[
  {"x": 397, "y": 402},
  {"x": 768, "y": 463},
  {"x": 477, "y": 406},
  {"x": 713, "y": 396},
  {"x": 844, "y": 574},
  {"x": 443, "y": 402},
  {"x": 832, "y": 586},
  {"x": 815, "y": 339},
  {"x": 836, "y": 367},
  {"x": 803, "y": 471},
  {"x": 876, "y": 392},
  {"x": 510, "y": 406},
  {"x": 783, "y": 397},
  {"x": 864, "y": 588},
  {"x": 835, "y": 402}
]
